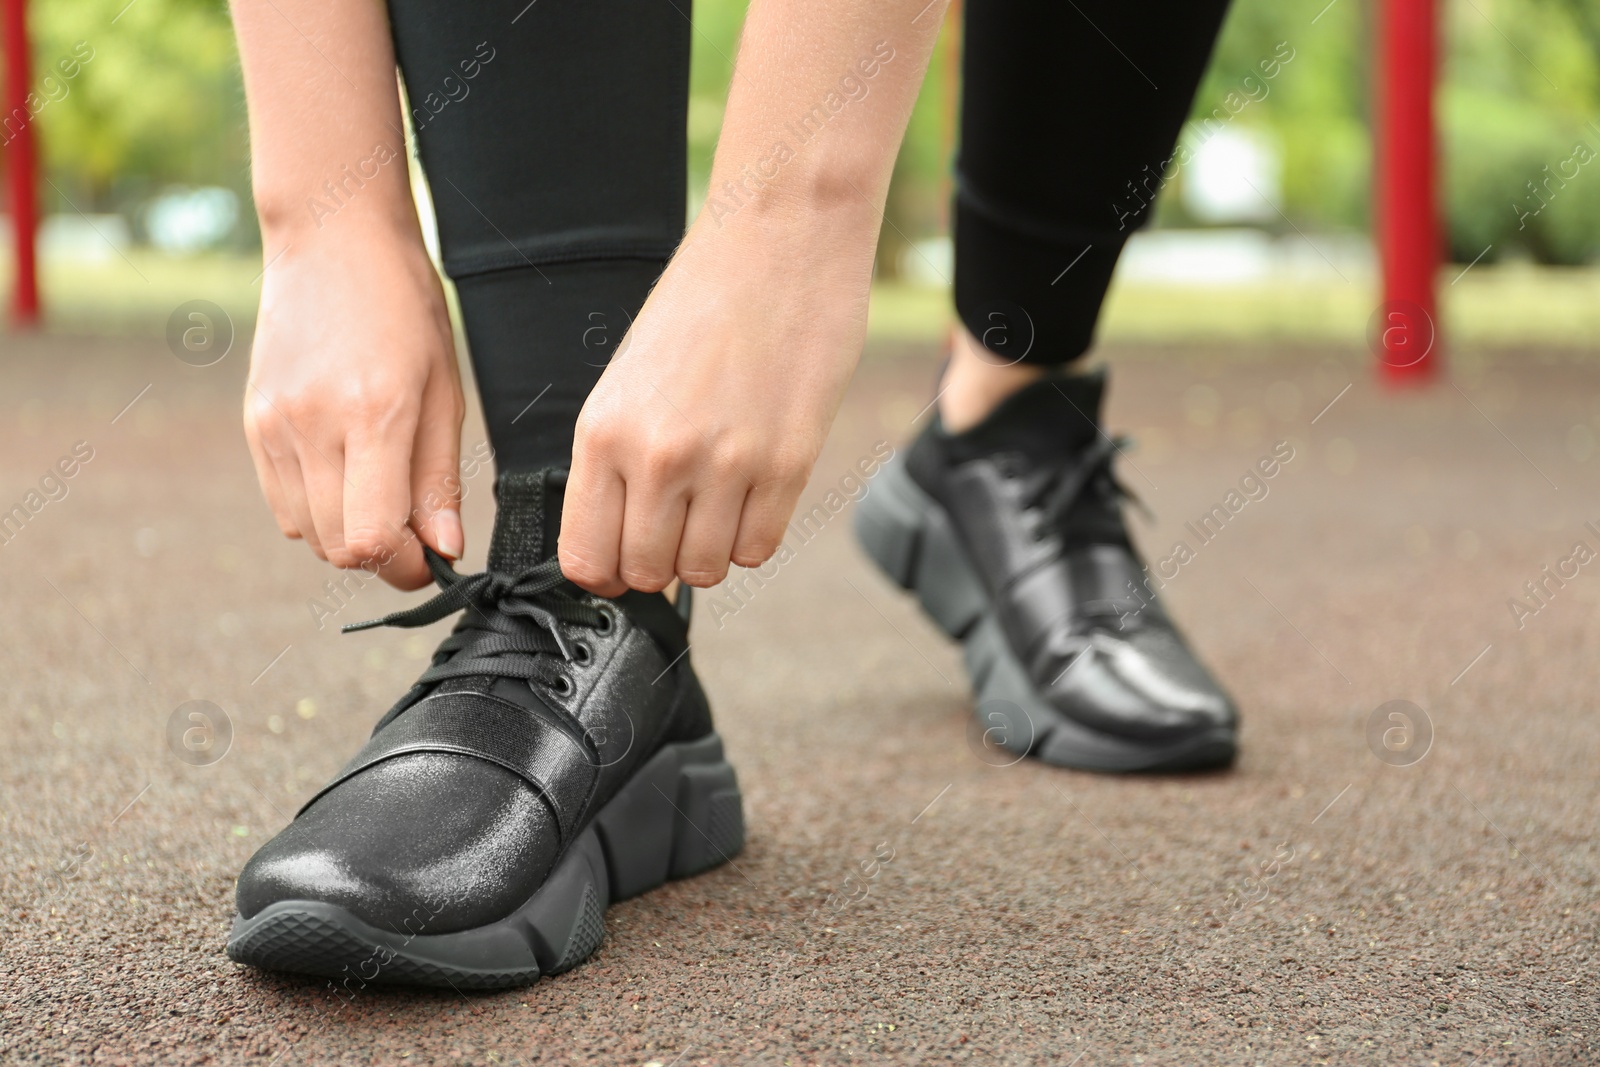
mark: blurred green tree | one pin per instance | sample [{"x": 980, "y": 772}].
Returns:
[
  {"x": 1517, "y": 115},
  {"x": 159, "y": 103}
]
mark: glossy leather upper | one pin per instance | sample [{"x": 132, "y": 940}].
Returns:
[
  {"x": 470, "y": 789},
  {"x": 1031, "y": 496}
]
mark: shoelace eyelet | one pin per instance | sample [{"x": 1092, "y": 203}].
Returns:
[
  {"x": 582, "y": 654},
  {"x": 609, "y": 620},
  {"x": 563, "y": 686}
]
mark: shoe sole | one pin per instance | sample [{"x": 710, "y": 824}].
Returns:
[
  {"x": 910, "y": 537},
  {"x": 680, "y": 814}
]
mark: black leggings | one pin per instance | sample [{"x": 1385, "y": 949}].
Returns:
[{"x": 552, "y": 134}]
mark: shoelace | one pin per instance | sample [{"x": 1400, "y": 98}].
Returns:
[
  {"x": 1063, "y": 488},
  {"x": 1059, "y": 492},
  {"x": 516, "y": 623}
]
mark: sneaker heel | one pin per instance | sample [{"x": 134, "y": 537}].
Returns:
[
  {"x": 888, "y": 523},
  {"x": 909, "y": 536}
]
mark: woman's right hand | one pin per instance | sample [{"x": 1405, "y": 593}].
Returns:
[{"x": 353, "y": 408}]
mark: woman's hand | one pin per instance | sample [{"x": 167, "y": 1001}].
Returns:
[
  {"x": 353, "y": 409},
  {"x": 699, "y": 437},
  {"x": 693, "y": 448}
]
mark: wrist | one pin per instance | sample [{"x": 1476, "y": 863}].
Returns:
[
  {"x": 304, "y": 215},
  {"x": 830, "y": 215},
  {"x": 816, "y": 177},
  {"x": 302, "y": 262},
  {"x": 398, "y": 233}
]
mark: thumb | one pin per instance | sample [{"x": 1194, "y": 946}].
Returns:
[{"x": 436, "y": 471}]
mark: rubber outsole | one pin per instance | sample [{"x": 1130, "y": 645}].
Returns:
[
  {"x": 679, "y": 815},
  {"x": 910, "y": 537}
]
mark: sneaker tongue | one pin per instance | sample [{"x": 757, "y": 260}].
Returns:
[
  {"x": 1056, "y": 416},
  {"x": 527, "y": 519}
]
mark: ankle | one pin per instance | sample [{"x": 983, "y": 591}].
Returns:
[{"x": 976, "y": 381}]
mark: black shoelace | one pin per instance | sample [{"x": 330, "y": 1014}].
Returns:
[
  {"x": 1089, "y": 480},
  {"x": 514, "y": 626},
  {"x": 1060, "y": 491}
]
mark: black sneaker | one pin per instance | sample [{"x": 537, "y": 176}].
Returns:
[
  {"x": 1011, "y": 535},
  {"x": 556, "y": 757}
]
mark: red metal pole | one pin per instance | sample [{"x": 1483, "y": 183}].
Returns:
[
  {"x": 1406, "y": 332},
  {"x": 16, "y": 129}
]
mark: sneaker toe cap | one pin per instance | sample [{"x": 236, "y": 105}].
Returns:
[
  {"x": 454, "y": 839},
  {"x": 1146, "y": 686}
]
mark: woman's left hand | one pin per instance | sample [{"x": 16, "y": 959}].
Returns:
[{"x": 695, "y": 445}]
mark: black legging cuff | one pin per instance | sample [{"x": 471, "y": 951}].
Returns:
[
  {"x": 1028, "y": 298},
  {"x": 540, "y": 336},
  {"x": 581, "y": 246}
]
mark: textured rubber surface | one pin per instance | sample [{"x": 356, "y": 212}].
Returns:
[
  {"x": 1011, "y": 929},
  {"x": 910, "y": 537},
  {"x": 679, "y": 815}
]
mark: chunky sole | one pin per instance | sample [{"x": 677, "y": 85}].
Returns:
[
  {"x": 679, "y": 815},
  {"x": 910, "y": 537}
]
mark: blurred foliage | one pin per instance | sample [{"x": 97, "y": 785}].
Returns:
[
  {"x": 1518, "y": 94},
  {"x": 160, "y": 103},
  {"x": 1523, "y": 95},
  {"x": 1316, "y": 108}
]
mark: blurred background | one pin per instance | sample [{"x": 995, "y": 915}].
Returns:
[
  {"x": 146, "y": 197},
  {"x": 1443, "y": 902}
]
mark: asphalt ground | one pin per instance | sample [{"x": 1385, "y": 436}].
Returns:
[{"x": 1374, "y": 883}]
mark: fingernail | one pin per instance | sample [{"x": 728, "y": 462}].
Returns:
[{"x": 447, "y": 531}]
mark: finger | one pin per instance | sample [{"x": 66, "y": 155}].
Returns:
[
  {"x": 377, "y": 497},
  {"x": 652, "y": 530},
  {"x": 322, "y": 476},
  {"x": 766, "y": 514},
  {"x": 436, "y": 469},
  {"x": 295, "y": 500},
  {"x": 267, "y": 476},
  {"x": 591, "y": 527},
  {"x": 708, "y": 533}
]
